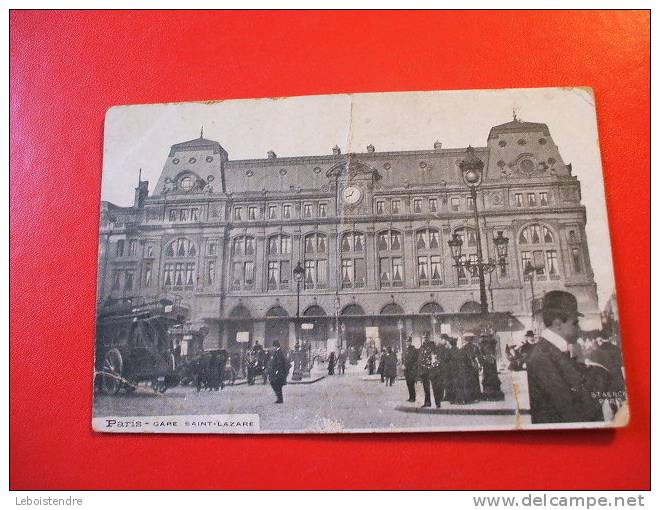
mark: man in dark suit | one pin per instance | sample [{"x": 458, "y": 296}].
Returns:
[
  {"x": 557, "y": 389},
  {"x": 279, "y": 369},
  {"x": 410, "y": 369},
  {"x": 424, "y": 361}
]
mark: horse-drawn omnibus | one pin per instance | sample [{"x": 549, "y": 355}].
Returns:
[{"x": 133, "y": 344}]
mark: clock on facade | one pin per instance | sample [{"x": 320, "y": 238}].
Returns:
[{"x": 352, "y": 195}]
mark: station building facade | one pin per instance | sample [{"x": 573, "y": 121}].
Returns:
[{"x": 370, "y": 230}]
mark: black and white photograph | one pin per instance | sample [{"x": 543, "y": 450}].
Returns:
[{"x": 384, "y": 262}]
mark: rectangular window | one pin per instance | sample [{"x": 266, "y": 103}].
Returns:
[
  {"x": 272, "y": 212},
  {"x": 321, "y": 273},
  {"x": 360, "y": 273},
  {"x": 116, "y": 279},
  {"x": 526, "y": 260},
  {"x": 385, "y": 272},
  {"x": 249, "y": 274},
  {"x": 183, "y": 215},
  {"x": 120, "y": 248},
  {"x": 531, "y": 199},
  {"x": 474, "y": 270},
  {"x": 307, "y": 210},
  {"x": 433, "y": 204},
  {"x": 285, "y": 274},
  {"x": 417, "y": 205},
  {"x": 210, "y": 272},
  {"x": 539, "y": 262},
  {"x": 252, "y": 213},
  {"x": 323, "y": 210},
  {"x": 273, "y": 275},
  {"x": 543, "y": 197},
  {"x": 179, "y": 274},
  {"x": 146, "y": 281},
  {"x": 551, "y": 263},
  {"x": 286, "y": 211},
  {"x": 168, "y": 275},
  {"x": 380, "y": 207},
  {"x": 132, "y": 247},
  {"x": 286, "y": 245},
  {"x": 422, "y": 271},
  {"x": 172, "y": 215},
  {"x": 194, "y": 214},
  {"x": 237, "y": 213},
  {"x": 396, "y": 206},
  {"x": 455, "y": 204},
  {"x": 397, "y": 272},
  {"x": 470, "y": 203},
  {"x": 436, "y": 270},
  {"x": 190, "y": 274},
  {"x": 577, "y": 263},
  {"x": 518, "y": 199},
  {"x": 347, "y": 273},
  {"x": 310, "y": 274},
  {"x": 128, "y": 280},
  {"x": 237, "y": 275}
]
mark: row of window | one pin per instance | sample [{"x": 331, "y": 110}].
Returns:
[
  {"x": 284, "y": 211},
  {"x": 531, "y": 199},
  {"x": 543, "y": 263}
]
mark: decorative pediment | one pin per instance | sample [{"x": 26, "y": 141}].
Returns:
[{"x": 352, "y": 169}]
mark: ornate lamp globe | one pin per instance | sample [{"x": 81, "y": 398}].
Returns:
[
  {"x": 472, "y": 168},
  {"x": 501, "y": 244},
  {"x": 455, "y": 244},
  {"x": 298, "y": 273}
]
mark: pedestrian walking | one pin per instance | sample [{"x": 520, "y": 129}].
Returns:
[
  {"x": 438, "y": 370},
  {"x": 278, "y": 371},
  {"x": 410, "y": 368},
  {"x": 389, "y": 367},
  {"x": 381, "y": 362},
  {"x": 490, "y": 381},
  {"x": 341, "y": 361},
  {"x": 371, "y": 364},
  {"x": 472, "y": 367},
  {"x": 331, "y": 363},
  {"x": 425, "y": 359}
]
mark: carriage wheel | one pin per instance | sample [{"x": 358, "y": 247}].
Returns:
[{"x": 112, "y": 372}]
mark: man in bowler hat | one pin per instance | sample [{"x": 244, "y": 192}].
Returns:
[
  {"x": 279, "y": 369},
  {"x": 557, "y": 389},
  {"x": 410, "y": 368}
]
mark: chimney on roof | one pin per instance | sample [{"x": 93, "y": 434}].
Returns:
[
  {"x": 437, "y": 145},
  {"x": 371, "y": 148},
  {"x": 271, "y": 155},
  {"x": 336, "y": 150}
]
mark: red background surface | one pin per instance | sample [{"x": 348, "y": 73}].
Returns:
[{"x": 68, "y": 68}]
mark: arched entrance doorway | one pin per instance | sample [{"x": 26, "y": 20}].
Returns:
[
  {"x": 470, "y": 307},
  {"x": 352, "y": 327},
  {"x": 318, "y": 335},
  {"x": 277, "y": 327},
  {"x": 424, "y": 322},
  {"x": 388, "y": 326},
  {"x": 240, "y": 321}
]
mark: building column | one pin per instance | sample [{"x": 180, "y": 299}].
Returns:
[
  {"x": 292, "y": 334},
  {"x": 410, "y": 264},
  {"x": 260, "y": 262},
  {"x": 259, "y": 332}
]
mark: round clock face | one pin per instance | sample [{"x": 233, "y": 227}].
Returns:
[{"x": 352, "y": 195}]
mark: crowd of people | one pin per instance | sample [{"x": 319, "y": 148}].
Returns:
[{"x": 452, "y": 373}]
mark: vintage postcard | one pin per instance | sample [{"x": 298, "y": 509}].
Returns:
[{"x": 390, "y": 262}]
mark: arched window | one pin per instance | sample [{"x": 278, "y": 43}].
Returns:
[
  {"x": 389, "y": 245},
  {"x": 539, "y": 252},
  {"x": 353, "y": 267},
  {"x": 468, "y": 253},
  {"x": 242, "y": 263},
  {"x": 429, "y": 260},
  {"x": 179, "y": 267},
  {"x": 279, "y": 262},
  {"x": 316, "y": 261}
]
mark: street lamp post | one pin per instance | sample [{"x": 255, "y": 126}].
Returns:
[
  {"x": 298, "y": 274},
  {"x": 472, "y": 170}
]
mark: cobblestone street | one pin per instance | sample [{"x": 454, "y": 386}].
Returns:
[{"x": 352, "y": 402}]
